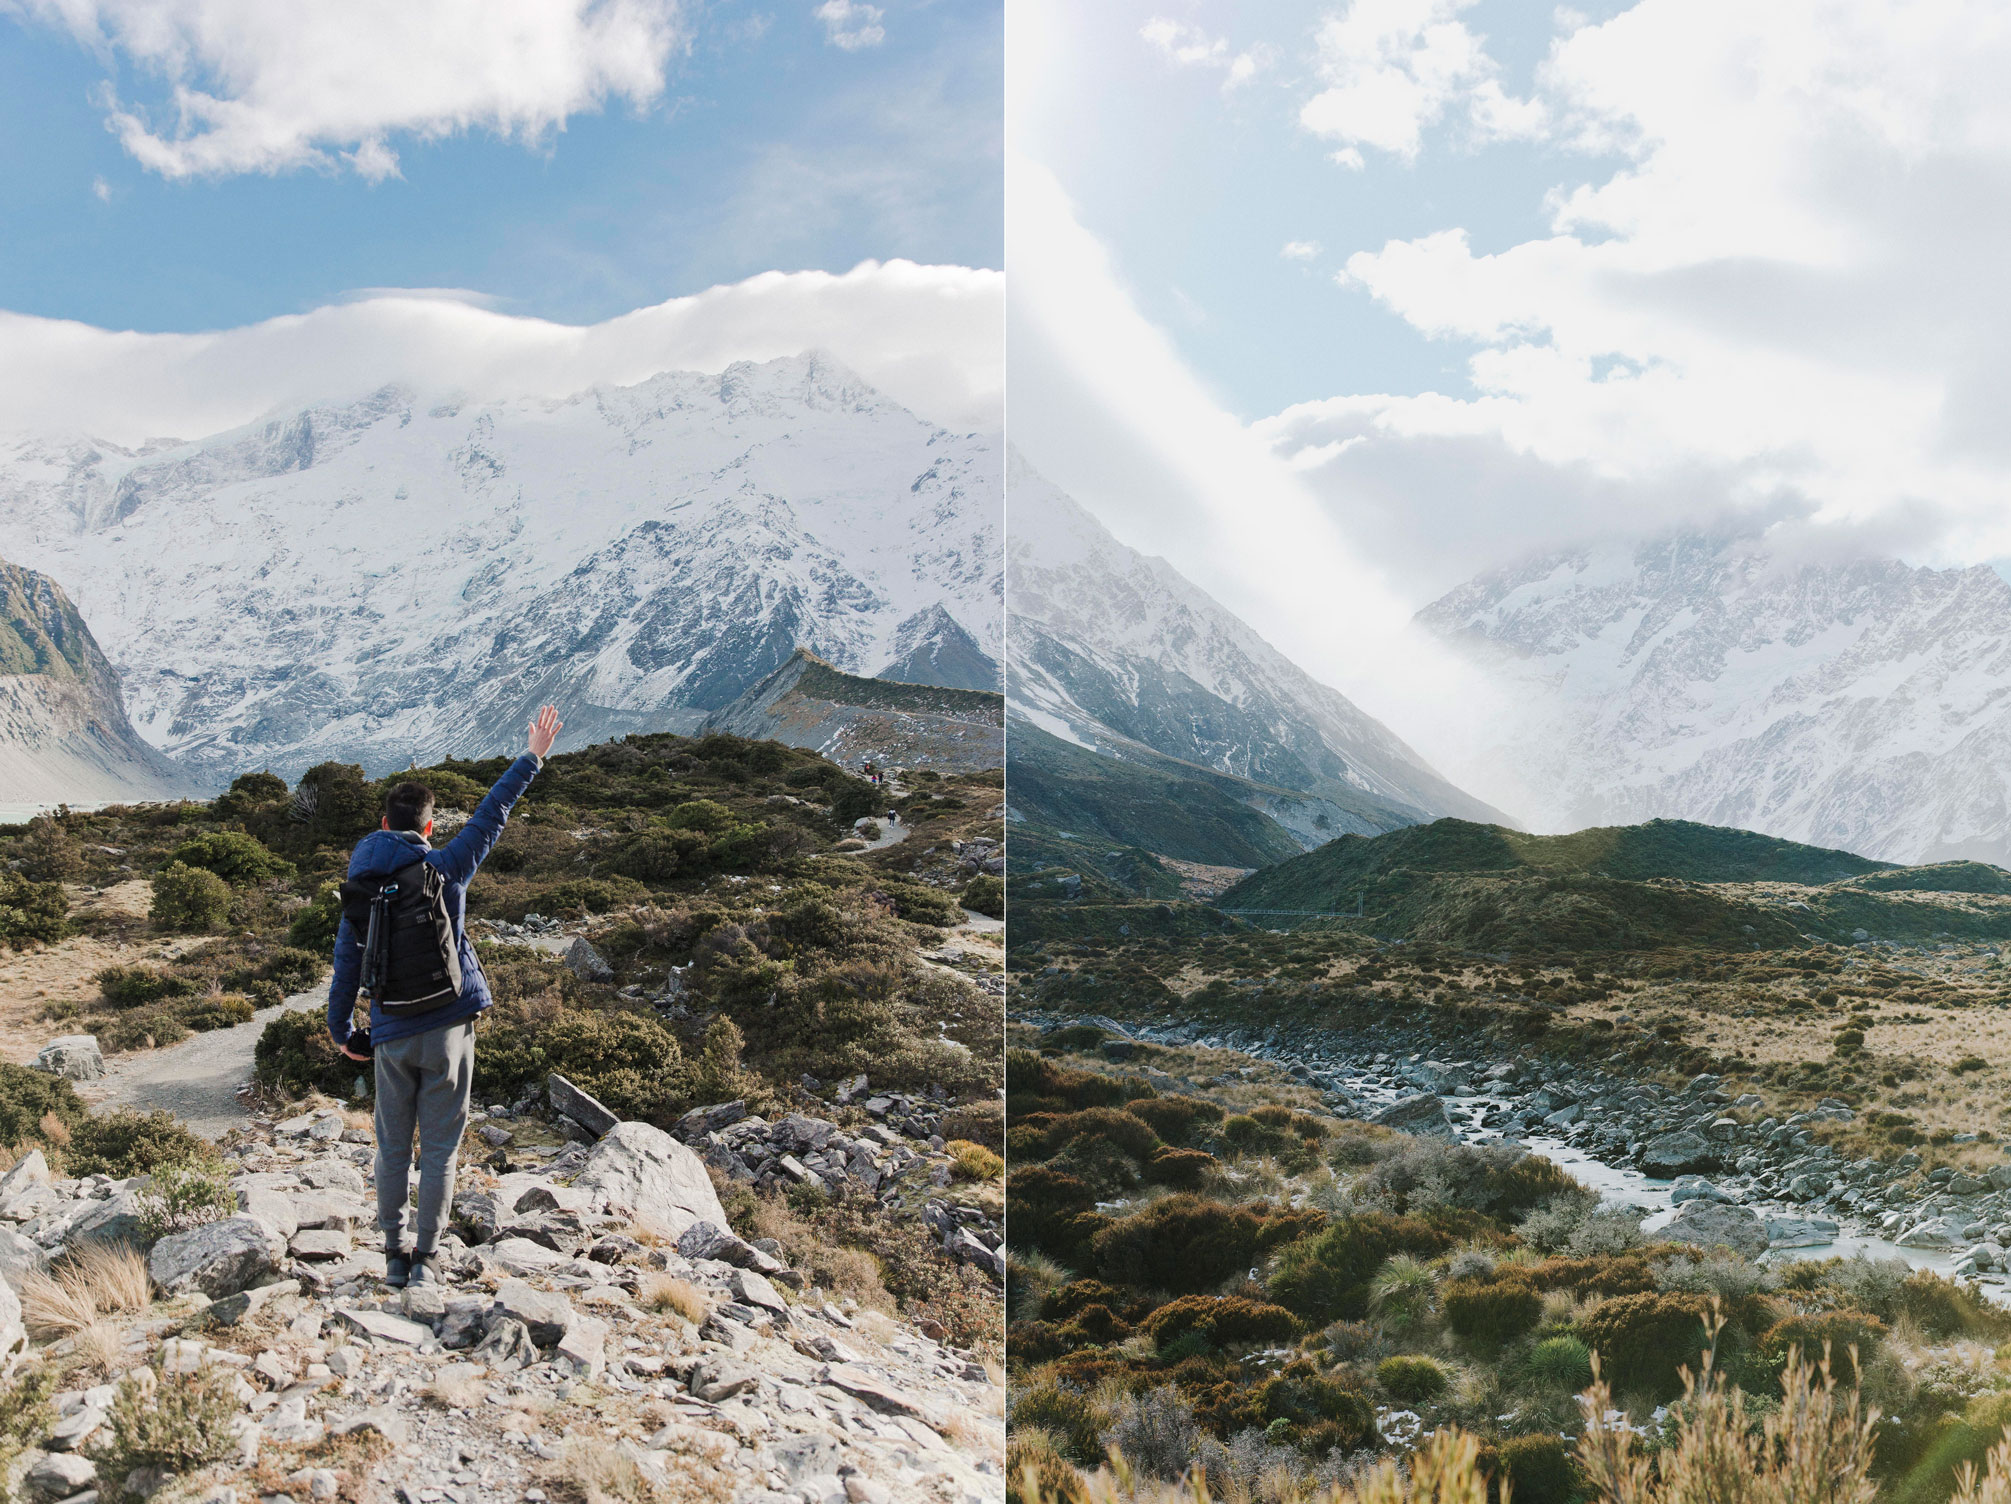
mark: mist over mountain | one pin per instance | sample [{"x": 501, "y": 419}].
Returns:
[
  {"x": 1118, "y": 653},
  {"x": 1862, "y": 704},
  {"x": 405, "y": 576}
]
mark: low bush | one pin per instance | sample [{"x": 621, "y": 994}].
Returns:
[
  {"x": 136, "y": 986},
  {"x": 313, "y": 927},
  {"x": 176, "y": 1422},
  {"x": 1489, "y": 1313},
  {"x": 1131, "y": 1135},
  {"x": 189, "y": 898},
  {"x": 126, "y": 1143},
  {"x": 1326, "y": 1277},
  {"x": 1561, "y": 1362},
  {"x": 295, "y": 1056},
  {"x": 1183, "y": 1244},
  {"x": 971, "y": 1161},
  {"x": 1832, "y": 1334},
  {"x": 1645, "y": 1341},
  {"x": 1411, "y": 1380},
  {"x": 1539, "y": 1469},
  {"x": 1068, "y": 1417},
  {"x": 1224, "y": 1320},
  {"x": 184, "y": 1195},
  {"x": 237, "y": 858},
  {"x": 30, "y": 1102},
  {"x": 627, "y": 1060},
  {"x": 1174, "y": 1119},
  {"x": 984, "y": 894},
  {"x": 979, "y": 1122},
  {"x": 32, "y": 912},
  {"x": 1183, "y": 1169}
]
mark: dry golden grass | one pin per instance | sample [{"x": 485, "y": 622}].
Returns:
[
  {"x": 456, "y": 1387},
  {"x": 98, "y": 1350},
  {"x": 51, "y": 1308},
  {"x": 55, "y": 1130},
  {"x": 650, "y": 1233},
  {"x": 968, "y": 1433},
  {"x": 666, "y": 1292},
  {"x": 116, "y": 1276},
  {"x": 96, "y": 1281}
]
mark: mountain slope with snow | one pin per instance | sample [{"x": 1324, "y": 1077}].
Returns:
[
  {"x": 1863, "y": 705},
  {"x": 1119, "y": 653},
  {"x": 64, "y": 735},
  {"x": 405, "y": 577}
]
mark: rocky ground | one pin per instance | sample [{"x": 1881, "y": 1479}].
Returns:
[
  {"x": 601, "y": 1333},
  {"x": 1742, "y": 1176}
]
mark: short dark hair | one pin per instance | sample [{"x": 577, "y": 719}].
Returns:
[{"x": 408, "y": 806}]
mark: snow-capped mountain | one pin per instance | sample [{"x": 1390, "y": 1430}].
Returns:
[
  {"x": 63, "y": 733},
  {"x": 408, "y": 576},
  {"x": 1118, "y": 652},
  {"x": 1863, "y": 705}
]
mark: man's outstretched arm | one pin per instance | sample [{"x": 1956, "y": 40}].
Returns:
[{"x": 459, "y": 858}]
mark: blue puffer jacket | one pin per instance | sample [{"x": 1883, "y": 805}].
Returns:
[{"x": 385, "y": 851}]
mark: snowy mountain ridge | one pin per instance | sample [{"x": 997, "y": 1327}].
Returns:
[
  {"x": 402, "y": 577},
  {"x": 1108, "y": 647},
  {"x": 1863, "y": 704}
]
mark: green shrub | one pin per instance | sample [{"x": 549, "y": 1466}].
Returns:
[
  {"x": 221, "y": 1010},
  {"x": 185, "y": 1195},
  {"x": 1182, "y": 1244},
  {"x": 31, "y": 911},
  {"x": 189, "y": 898},
  {"x": 591, "y": 895},
  {"x": 153, "y": 1027},
  {"x": 178, "y": 1423},
  {"x": 1174, "y": 1119},
  {"x": 1563, "y": 1362},
  {"x": 1111, "y": 1125},
  {"x": 136, "y": 986},
  {"x": 26, "y": 1416},
  {"x": 1326, "y": 1277},
  {"x": 237, "y": 858},
  {"x": 1225, "y": 1320},
  {"x": 1836, "y": 1332},
  {"x": 26, "y": 1098},
  {"x": 1066, "y": 1416},
  {"x": 1645, "y": 1341},
  {"x": 1943, "y": 1308},
  {"x": 1539, "y": 1468},
  {"x": 628, "y": 1060},
  {"x": 313, "y": 928},
  {"x": 971, "y": 1161},
  {"x": 920, "y": 905},
  {"x": 984, "y": 894},
  {"x": 125, "y": 1143},
  {"x": 707, "y": 815},
  {"x": 1411, "y": 1380},
  {"x": 334, "y": 803},
  {"x": 1183, "y": 1169},
  {"x": 1490, "y": 1313}
]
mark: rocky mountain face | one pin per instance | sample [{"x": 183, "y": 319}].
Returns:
[
  {"x": 63, "y": 731},
  {"x": 1863, "y": 705},
  {"x": 808, "y": 703},
  {"x": 1119, "y": 653},
  {"x": 402, "y": 576}
]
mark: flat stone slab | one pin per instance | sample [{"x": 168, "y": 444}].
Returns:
[{"x": 383, "y": 1324}]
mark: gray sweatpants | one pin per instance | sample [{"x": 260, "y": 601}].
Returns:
[{"x": 423, "y": 1082}]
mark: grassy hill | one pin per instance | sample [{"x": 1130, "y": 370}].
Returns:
[{"x": 1330, "y": 877}]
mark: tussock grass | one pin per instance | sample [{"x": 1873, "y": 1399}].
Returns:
[{"x": 666, "y": 1292}]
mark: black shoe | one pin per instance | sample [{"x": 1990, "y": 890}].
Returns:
[
  {"x": 397, "y": 1268},
  {"x": 426, "y": 1270}
]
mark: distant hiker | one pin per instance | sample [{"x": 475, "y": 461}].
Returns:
[{"x": 403, "y": 943}]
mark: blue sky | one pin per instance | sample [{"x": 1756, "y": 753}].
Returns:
[{"x": 767, "y": 147}]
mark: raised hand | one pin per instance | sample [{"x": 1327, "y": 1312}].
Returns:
[{"x": 544, "y": 731}]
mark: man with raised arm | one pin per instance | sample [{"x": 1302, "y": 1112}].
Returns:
[{"x": 403, "y": 944}]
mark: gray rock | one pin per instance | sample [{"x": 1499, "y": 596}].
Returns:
[
  {"x": 583, "y": 1348},
  {"x": 576, "y": 1104},
  {"x": 234, "y": 1308},
  {"x": 717, "y": 1379},
  {"x": 217, "y": 1259},
  {"x": 59, "y": 1475},
  {"x": 383, "y": 1324},
  {"x": 875, "y": 1391},
  {"x": 752, "y": 1289},
  {"x": 507, "y": 1345},
  {"x": 1800, "y": 1232},
  {"x": 74, "y": 1055},
  {"x": 703, "y": 1120},
  {"x": 1694, "y": 1188},
  {"x": 118, "y": 1219},
  {"x": 586, "y": 963},
  {"x": 522, "y": 1256},
  {"x": 13, "y": 1335},
  {"x": 644, "y": 1172},
  {"x": 30, "y": 1169},
  {"x": 319, "y": 1244},
  {"x": 1712, "y": 1224},
  {"x": 270, "y": 1207},
  {"x": 1422, "y": 1115},
  {"x": 19, "y": 1256},
  {"x": 1669, "y": 1155},
  {"x": 1934, "y": 1232},
  {"x": 546, "y": 1313}
]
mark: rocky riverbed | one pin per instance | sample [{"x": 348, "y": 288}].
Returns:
[
  {"x": 1711, "y": 1167},
  {"x": 601, "y": 1316}
]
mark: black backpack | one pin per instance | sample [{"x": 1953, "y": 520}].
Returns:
[{"x": 411, "y": 960}]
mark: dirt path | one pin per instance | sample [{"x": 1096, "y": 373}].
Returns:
[{"x": 196, "y": 1080}]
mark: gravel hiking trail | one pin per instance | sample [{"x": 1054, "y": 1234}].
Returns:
[{"x": 196, "y": 1080}]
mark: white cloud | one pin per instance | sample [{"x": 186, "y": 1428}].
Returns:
[
  {"x": 1104, "y": 406},
  {"x": 1300, "y": 250},
  {"x": 254, "y": 86},
  {"x": 1393, "y": 67},
  {"x": 1790, "y": 293},
  {"x": 928, "y": 336},
  {"x": 1186, "y": 45},
  {"x": 851, "y": 24},
  {"x": 101, "y": 190}
]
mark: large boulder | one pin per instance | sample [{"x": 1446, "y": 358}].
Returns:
[
  {"x": 1714, "y": 1224},
  {"x": 218, "y": 1258},
  {"x": 581, "y": 1106},
  {"x": 74, "y": 1055},
  {"x": 19, "y": 1256},
  {"x": 647, "y": 1174},
  {"x": 1423, "y": 1115},
  {"x": 13, "y": 1334},
  {"x": 120, "y": 1218},
  {"x": 1683, "y": 1152}
]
